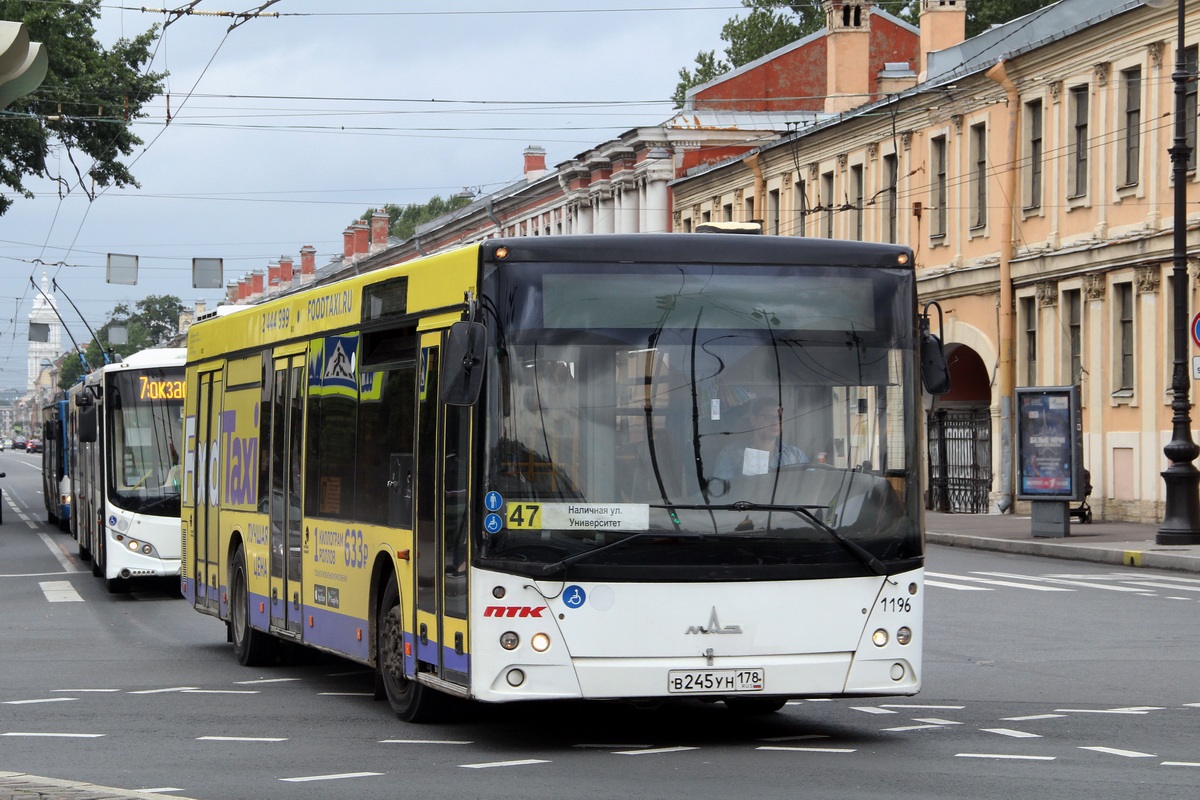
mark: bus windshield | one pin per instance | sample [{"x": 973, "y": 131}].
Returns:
[
  {"x": 702, "y": 421},
  {"x": 145, "y": 423}
]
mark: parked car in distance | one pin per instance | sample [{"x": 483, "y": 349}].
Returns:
[
  {"x": 33, "y": 446},
  {"x": 19, "y": 443}
]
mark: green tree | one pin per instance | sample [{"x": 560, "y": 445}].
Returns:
[
  {"x": 150, "y": 323},
  {"x": 403, "y": 220},
  {"x": 84, "y": 107}
]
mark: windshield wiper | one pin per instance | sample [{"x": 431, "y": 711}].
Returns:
[
  {"x": 806, "y": 512},
  {"x": 563, "y": 563}
]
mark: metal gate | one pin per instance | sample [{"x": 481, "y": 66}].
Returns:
[{"x": 960, "y": 461}]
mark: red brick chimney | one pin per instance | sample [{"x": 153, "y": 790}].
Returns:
[
  {"x": 285, "y": 272},
  {"x": 535, "y": 162},
  {"x": 273, "y": 278},
  {"x": 362, "y": 238},
  {"x": 256, "y": 284},
  {"x": 308, "y": 264},
  {"x": 348, "y": 244},
  {"x": 243, "y": 289},
  {"x": 231, "y": 291},
  {"x": 379, "y": 230}
]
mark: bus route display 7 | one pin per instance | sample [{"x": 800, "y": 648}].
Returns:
[{"x": 598, "y": 467}]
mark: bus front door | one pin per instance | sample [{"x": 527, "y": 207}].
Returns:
[
  {"x": 287, "y": 447},
  {"x": 442, "y": 525}
]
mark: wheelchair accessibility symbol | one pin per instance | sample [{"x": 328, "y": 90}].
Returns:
[
  {"x": 492, "y": 523},
  {"x": 573, "y": 596}
]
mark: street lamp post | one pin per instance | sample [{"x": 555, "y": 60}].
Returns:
[{"x": 1181, "y": 518}]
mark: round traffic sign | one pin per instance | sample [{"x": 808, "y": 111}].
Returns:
[{"x": 1196, "y": 330}]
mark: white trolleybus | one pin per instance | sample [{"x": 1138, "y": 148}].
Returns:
[
  {"x": 125, "y": 431},
  {"x": 642, "y": 467}
]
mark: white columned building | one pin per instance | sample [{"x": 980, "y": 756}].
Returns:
[{"x": 44, "y": 312}]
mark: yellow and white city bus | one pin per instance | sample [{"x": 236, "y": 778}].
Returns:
[{"x": 643, "y": 467}]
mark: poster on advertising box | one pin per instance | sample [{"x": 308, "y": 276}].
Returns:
[{"x": 1049, "y": 443}]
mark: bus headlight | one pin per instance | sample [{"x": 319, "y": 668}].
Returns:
[
  {"x": 509, "y": 640},
  {"x": 134, "y": 545},
  {"x": 880, "y": 637},
  {"x": 540, "y": 642},
  {"x": 904, "y": 635}
]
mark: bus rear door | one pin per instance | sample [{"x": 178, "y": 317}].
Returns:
[
  {"x": 287, "y": 448},
  {"x": 442, "y": 525}
]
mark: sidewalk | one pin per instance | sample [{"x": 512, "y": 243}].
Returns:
[{"x": 1128, "y": 544}]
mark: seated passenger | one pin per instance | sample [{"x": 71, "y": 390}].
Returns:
[{"x": 766, "y": 450}]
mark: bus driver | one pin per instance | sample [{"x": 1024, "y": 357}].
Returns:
[{"x": 766, "y": 450}]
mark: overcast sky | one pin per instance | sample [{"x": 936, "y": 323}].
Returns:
[{"x": 284, "y": 130}]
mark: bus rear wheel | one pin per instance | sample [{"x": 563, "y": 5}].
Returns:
[
  {"x": 411, "y": 701},
  {"x": 251, "y": 647}
]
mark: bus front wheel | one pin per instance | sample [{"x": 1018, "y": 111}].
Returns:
[
  {"x": 411, "y": 701},
  {"x": 251, "y": 647}
]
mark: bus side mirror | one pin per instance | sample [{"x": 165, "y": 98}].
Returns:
[
  {"x": 935, "y": 372},
  {"x": 87, "y": 423},
  {"x": 462, "y": 369},
  {"x": 83, "y": 399}
]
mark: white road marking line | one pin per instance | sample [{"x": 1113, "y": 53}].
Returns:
[
  {"x": 795, "y": 738},
  {"x": 608, "y": 746},
  {"x": 266, "y": 680},
  {"x": 29, "y": 574},
  {"x": 338, "y": 777},
  {"x": 1033, "y": 717},
  {"x": 80, "y": 691},
  {"x": 42, "y": 700},
  {"x": 872, "y": 710},
  {"x": 992, "y": 582},
  {"x": 1179, "y": 764},
  {"x": 1065, "y": 581},
  {"x": 904, "y": 728},
  {"x": 241, "y": 738},
  {"x": 55, "y": 735},
  {"x": 1157, "y": 585},
  {"x": 1134, "y": 710},
  {"x": 163, "y": 691},
  {"x": 941, "y": 585},
  {"x": 1012, "y": 733},
  {"x": 1003, "y": 757},
  {"x": 60, "y": 592},
  {"x": 161, "y": 790},
  {"x": 912, "y": 706},
  {"x": 57, "y": 552},
  {"x": 935, "y": 721},
  {"x": 1192, "y": 705},
  {"x": 654, "y": 751},
  {"x": 424, "y": 741},
  {"x": 1115, "y": 752},
  {"x": 807, "y": 749},
  {"x": 346, "y": 694},
  {"x": 220, "y": 691},
  {"x": 491, "y": 764}
]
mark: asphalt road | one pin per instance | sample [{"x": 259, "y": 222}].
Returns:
[{"x": 1043, "y": 678}]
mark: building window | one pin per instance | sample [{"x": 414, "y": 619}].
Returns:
[
  {"x": 801, "y": 206},
  {"x": 856, "y": 190},
  {"x": 978, "y": 175},
  {"x": 1029, "y": 314},
  {"x": 1124, "y": 296},
  {"x": 891, "y": 175},
  {"x": 1033, "y": 143},
  {"x": 748, "y": 212},
  {"x": 937, "y": 198},
  {"x": 1077, "y": 155},
  {"x": 727, "y": 212},
  {"x": 1131, "y": 130},
  {"x": 773, "y": 212},
  {"x": 1073, "y": 303},
  {"x": 826, "y": 200},
  {"x": 706, "y": 216}
]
